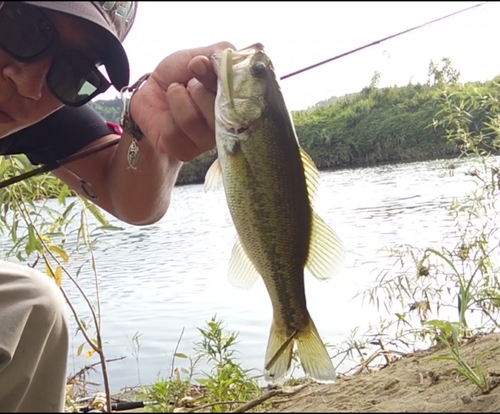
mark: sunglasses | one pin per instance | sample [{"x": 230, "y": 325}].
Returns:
[{"x": 27, "y": 35}]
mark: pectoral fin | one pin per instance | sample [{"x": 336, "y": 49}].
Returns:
[
  {"x": 241, "y": 271},
  {"x": 213, "y": 178},
  {"x": 326, "y": 251}
]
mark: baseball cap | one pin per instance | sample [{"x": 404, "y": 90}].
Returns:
[{"x": 116, "y": 18}]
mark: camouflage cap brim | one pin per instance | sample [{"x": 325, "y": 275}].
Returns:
[{"x": 116, "y": 18}]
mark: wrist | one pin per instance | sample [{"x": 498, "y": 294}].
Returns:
[{"x": 127, "y": 122}]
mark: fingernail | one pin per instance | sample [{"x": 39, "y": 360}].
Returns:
[
  {"x": 173, "y": 85},
  {"x": 198, "y": 67},
  {"x": 192, "y": 83}
]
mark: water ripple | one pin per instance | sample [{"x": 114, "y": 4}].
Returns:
[{"x": 159, "y": 279}]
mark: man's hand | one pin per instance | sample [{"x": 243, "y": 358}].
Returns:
[{"x": 175, "y": 107}]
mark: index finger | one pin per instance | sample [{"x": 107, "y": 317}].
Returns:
[
  {"x": 202, "y": 69},
  {"x": 175, "y": 68}
]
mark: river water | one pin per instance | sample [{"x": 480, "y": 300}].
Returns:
[{"x": 159, "y": 280}]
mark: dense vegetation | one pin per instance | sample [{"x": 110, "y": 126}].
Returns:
[{"x": 376, "y": 125}]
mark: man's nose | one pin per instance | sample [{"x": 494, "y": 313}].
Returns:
[{"x": 29, "y": 78}]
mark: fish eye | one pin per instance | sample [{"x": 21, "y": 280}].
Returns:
[{"x": 259, "y": 70}]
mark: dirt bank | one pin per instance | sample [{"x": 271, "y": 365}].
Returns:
[{"x": 415, "y": 383}]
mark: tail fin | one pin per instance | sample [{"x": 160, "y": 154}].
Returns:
[
  {"x": 313, "y": 355},
  {"x": 278, "y": 355}
]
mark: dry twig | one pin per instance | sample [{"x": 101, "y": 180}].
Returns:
[{"x": 272, "y": 393}]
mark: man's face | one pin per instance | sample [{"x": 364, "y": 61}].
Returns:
[{"x": 24, "y": 96}]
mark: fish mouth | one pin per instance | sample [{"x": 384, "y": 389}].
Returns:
[{"x": 224, "y": 66}]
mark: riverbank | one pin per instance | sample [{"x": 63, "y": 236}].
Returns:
[
  {"x": 373, "y": 126},
  {"x": 414, "y": 382},
  {"x": 441, "y": 157}
]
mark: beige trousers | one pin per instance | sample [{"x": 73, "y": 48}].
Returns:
[{"x": 33, "y": 341}]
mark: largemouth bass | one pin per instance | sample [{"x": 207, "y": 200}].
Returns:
[{"x": 270, "y": 183}]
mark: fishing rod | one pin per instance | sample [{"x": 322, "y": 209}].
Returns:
[
  {"x": 120, "y": 406},
  {"x": 376, "y": 42},
  {"x": 56, "y": 164},
  {"x": 79, "y": 155}
]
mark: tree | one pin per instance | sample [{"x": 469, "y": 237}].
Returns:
[{"x": 443, "y": 72}]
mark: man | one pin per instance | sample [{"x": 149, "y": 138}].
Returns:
[{"x": 49, "y": 53}]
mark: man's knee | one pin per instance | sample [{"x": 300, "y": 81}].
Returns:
[
  {"x": 33, "y": 340},
  {"x": 24, "y": 285}
]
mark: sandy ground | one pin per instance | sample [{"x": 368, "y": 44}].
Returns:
[{"x": 414, "y": 383}]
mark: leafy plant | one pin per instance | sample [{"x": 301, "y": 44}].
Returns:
[
  {"x": 227, "y": 381},
  {"x": 448, "y": 334},
  {"x": 224, "y": 386}
]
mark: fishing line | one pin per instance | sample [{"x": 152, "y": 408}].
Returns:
[{"x": 52, "y": 166}]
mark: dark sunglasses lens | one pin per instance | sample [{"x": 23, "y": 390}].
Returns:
[
  {"x": 24, "y": 32},
  {"x": 73, "y": 79}
]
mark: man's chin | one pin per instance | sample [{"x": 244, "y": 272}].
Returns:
[{"x": 10, "y": 128}]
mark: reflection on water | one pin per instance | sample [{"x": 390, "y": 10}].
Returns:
[{"x": 159, "y": 279}]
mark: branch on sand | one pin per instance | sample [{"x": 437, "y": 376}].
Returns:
[{"x": 253, "y": 403}]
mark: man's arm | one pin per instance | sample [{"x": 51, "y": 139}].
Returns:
[
  {"x": 140, "y": 196},
  {"x": 137, "y": 196},
  {"x": 175, "y": 111}
]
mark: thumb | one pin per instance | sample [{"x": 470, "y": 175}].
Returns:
[{"x": 202, "y": 69}]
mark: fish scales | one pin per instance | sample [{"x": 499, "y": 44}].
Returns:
[{"x": 270, "y": 184}]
